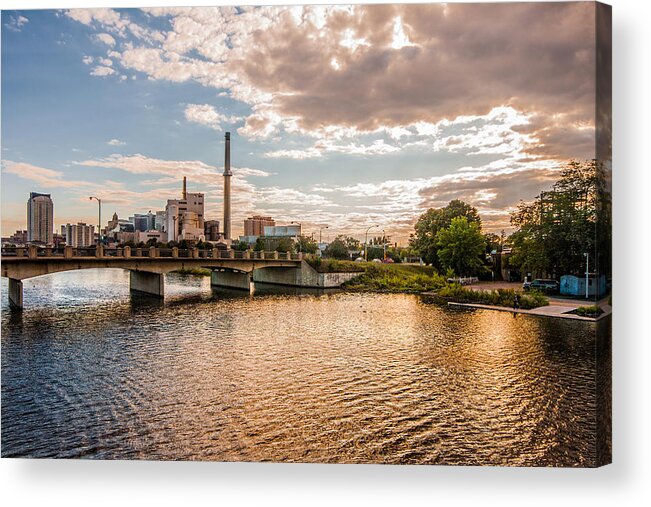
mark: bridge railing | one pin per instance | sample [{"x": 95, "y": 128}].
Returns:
[{"x": 38, "y": 251}]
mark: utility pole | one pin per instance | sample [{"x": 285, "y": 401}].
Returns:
[{"x": 321, "y": 229}]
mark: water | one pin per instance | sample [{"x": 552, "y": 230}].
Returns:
[{"x": 89, "y": 372}]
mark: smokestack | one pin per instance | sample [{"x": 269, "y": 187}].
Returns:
[
  {"x": 185, "y": 193},
  {"x": 227, "y": 187}
]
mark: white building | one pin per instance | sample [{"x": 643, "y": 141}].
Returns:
[
  {"x": 279, "y": 231},
  {"x": 40, "y": 218},
  {"x": 184, "y": 217},
  {"x": 79, "y": 235}
]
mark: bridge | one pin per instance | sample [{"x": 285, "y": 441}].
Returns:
[{"x": 147, "y": 266}]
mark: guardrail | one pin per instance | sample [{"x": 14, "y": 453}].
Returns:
[{"x": 100, "y": 251}]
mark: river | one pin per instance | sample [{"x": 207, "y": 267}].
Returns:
[{"x": 90, "y": 372}]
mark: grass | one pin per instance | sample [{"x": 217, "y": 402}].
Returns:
[
  {"x": 193, "y": 271},
  {"x": 588, "y": 311},
  {"x": 396, "y": 278},
  {"x": 497, "y": 297},
  {"x": 333, "y": 265}
]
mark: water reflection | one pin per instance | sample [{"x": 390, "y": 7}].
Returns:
[{"x": 307, "y": 376}]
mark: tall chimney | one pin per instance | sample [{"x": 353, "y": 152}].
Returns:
[
  {"x": 227, "y": 187},
  {"x": 185, "y": 194}
]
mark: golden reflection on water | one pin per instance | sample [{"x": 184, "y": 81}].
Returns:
[{"x": 304, "y": 377}]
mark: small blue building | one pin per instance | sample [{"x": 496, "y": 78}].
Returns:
[{"x": 575, "y": 285}]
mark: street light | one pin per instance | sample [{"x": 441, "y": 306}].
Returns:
[
  {"x": 99, "y": 218},
  {"x": 366, "y": 242},
  {"x": 326, "y": 227},
  {"x": 297, "y": 237}
]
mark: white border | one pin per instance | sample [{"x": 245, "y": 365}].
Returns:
[{"x": 59, "y": 482}]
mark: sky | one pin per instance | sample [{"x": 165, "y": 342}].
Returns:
[{"x": 340, "y": 116}]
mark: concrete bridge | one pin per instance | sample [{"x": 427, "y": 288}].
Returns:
[{"x": 147, "y": 266}]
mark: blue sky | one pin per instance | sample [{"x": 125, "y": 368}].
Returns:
[{"x": 340, "y": 116}]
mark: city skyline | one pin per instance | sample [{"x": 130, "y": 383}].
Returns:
[{"x": 370, "y": 119}]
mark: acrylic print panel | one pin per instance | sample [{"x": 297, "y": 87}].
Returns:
[{"x": 333, "y": 234}]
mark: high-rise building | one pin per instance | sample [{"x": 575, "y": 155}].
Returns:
[
  {"x": 79, "y": 235},
  {"x": 40, "y": 218},
  {"x": 255, "y": 225}
]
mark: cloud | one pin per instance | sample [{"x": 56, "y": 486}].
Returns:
[
  {"x": 397, "y": 65},
  {"x": 15, "y": 23},
  {"x": 46, "y": 178},
  {"x": 102, "y": 71},
  {"x": 206, "y": 114},
  {"x": 140, "y": 164},
  {"x": 116, "y": 142},
  {"x": 106, "y": 39}
]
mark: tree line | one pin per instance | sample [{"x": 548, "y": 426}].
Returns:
[{"x": 552, "y": 236}]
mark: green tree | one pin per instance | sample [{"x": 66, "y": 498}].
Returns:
[
  {"x": 285, "y": 245},
  {"x": 351, "y": 243},
  {"x": 561, "y": 225},
  {"x": 432, "y": 221},
  {"x": 241, "y": 246},
  {"x": 460, "y": 246},
  {"x": 259, "y": 245},
  {"x": 337, "y": 249},
  {"x": 307, "y": 245}
]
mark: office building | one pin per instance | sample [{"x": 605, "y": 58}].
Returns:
[
  {"x": 40, "y": 218},
  {"x": 282, "y": 231}
]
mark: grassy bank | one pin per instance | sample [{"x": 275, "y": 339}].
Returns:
[
  {"x": 497, "y": 297},
  {"x": 334, "y": 265},
  {"x": 193, "y": 271},
  {"x": 396, "y": 278}
]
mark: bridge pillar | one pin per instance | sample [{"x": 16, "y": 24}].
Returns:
[
  {"x": 126, "y": 252},
  {"x": 32, "y": 251},
  {"x": 152, "y": 284},
  {"x": 99, "y": 251},
  {"x": 67, "y": 252},
  {"x": 175, "y": 251},
  {"x": 16, "y": 294},
  {"x": 232, "y": 280},
  {"x": 20, "y": 252}
]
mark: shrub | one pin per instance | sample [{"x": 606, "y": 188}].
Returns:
[
  {"x": 589, "y": 311},
  {"x": 497, "y": 297}
]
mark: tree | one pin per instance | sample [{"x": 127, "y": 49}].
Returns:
[
  {"x": 337, "y": 249},
  {"x": 561, "y": 225},
  {"x": 241, "y": 246},
  {"x": 432, "y": 221},
  {"x": 460, "y": 246},
  {"x": 285, "y": 245},
  {"x": 350, "y": 243},
  {"x": 259, "y": 245},
  {"x": 307, "y": 245}
]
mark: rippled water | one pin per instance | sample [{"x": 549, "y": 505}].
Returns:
[{"x": 87, "y": 371}]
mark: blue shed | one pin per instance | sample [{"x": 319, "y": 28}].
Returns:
[{"x": 575, "y": 285}]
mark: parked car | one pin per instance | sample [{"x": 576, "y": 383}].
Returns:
[{"x": 542, "y": 285}]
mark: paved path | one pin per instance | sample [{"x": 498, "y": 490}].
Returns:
[{"x": 553, "y": 310}]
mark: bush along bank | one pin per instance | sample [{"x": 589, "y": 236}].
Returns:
[
  {"x": 588, "y": 311},
  {"x": 497, "y": 297}
]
